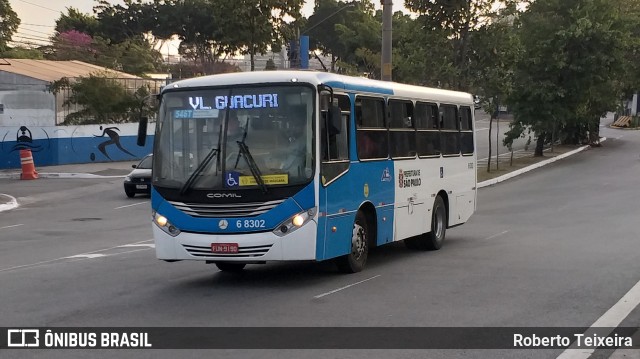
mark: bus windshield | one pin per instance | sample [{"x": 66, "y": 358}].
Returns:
[{"x": 235, "y": 138}]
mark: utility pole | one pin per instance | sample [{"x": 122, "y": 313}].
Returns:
[{"x": 387, "y": 18}]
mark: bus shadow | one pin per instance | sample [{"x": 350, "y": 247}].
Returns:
[{"x": 299, "y": 275}]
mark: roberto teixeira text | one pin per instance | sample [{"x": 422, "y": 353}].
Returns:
[
  {"x": 36, "y": 338},
  {"x": 579, "y": 340}
]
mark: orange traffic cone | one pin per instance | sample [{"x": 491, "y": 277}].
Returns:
[{"x": 28, "y": 167}]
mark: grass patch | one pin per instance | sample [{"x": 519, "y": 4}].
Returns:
[{"x": 520, "y": 160}]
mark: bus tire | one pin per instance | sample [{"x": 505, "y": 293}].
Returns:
[
  {"x": 433, "y": 240},
  {"x": 230, "y": 266},
  {"x": 357, "y": 258}
]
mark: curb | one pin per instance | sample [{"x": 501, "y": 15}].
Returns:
[
  {"x": 12, "y": 204},
  {"x": 59, "y": 175},
  {"x": 510, "y": 175},
  {"x": 624, "y": 128}
]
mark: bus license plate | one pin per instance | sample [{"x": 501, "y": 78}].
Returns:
[
  {"x": 224, "y": 247},
  {"x": 141, "y": 186}
]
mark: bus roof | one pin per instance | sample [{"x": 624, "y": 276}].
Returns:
[{"x": 346, "y": 83}]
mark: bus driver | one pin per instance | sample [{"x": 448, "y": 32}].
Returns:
[{"x": 294, "y": 158}]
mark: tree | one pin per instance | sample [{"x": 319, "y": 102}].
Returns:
[
  {"x": 453, "y": 22},
  {"x": 271, "y": 65},
  {"x": 77, "y": 21},
  {"x": 119, "y": 23},
  {"x": 136, "y": 57},
  {"x": 321, "y": 27},
  {"x": 9, "y": 23},
  {"x": 357, "y": 46},
  {"x": 103, "y": 100},
  {"x": 260, "y": 24},
  {"x": 629, "y": 12},
  {"x": 493, "y": 56},
  {"x": 566, "y": 78},
  {"x": 22, "y": 53}
]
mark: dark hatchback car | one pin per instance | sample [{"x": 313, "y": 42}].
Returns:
[{"x": 139, "y": 180}]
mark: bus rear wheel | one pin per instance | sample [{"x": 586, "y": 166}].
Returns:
[
  {"x": 357, "y": 258},
  {"x": 433, "y": 240},
  {"x": 230, "y": 266}
]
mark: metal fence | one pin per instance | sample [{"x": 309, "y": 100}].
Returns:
[{"x": 131, "y": 85}]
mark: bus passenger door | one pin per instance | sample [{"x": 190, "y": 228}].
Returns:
[{"x": 335, "y": 221}]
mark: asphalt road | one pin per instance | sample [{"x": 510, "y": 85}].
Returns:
[{"x": 555, "y": 247}]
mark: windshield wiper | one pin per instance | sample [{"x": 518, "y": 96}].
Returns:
[
  {"x": 194, "y": 176},
  {"x": 253, "y": 167}
]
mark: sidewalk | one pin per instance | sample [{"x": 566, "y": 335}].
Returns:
[{"x": 80, "y": 170}]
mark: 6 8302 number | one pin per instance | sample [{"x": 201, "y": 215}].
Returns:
[{"x": 250, "y": 223}]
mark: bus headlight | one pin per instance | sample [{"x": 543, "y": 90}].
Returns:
[
  {"x": 163, "y": 223},
  {"x": 294, "y": 222}
]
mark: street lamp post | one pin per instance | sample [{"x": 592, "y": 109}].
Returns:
[{"x": 387, "y": 18}]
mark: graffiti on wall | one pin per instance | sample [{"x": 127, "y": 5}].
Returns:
[
  {"x": 24, "y": 140},
  {"x": 73, "y": 144},
  {"x": 114, "y": 139}
]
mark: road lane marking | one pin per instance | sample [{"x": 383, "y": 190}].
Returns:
[
  {"x": 150, "y": 245},
  {"x": 80, "y": 256},
  {"x": 131, "y": 205},
  {"x": 15, "y": 225},
  {"x": 345, "y": 287},
  {"x": 610, "y": 320},
  {"x": 12, "y": 204},
  {"x": 85, "y": 256},
  {"x": 497, "y": 234},
  {"x": 108, "y": 249}
]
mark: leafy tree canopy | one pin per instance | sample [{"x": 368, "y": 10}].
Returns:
[{"x": 9, "y": 23}]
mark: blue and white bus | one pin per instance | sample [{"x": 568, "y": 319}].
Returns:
[{"x": 295, "y": 165}]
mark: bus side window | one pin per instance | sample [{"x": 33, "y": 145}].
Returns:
[
  {"x": 372, "y": 140},
  {"x": 466, "y": 131},
  {"x": 334, "y": 146},
  {"x": 402, "y": 134},
  {"x": 450, "y": 130},
  {"x": 428, "y": 124}
]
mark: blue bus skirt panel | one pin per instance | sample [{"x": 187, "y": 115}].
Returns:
[{"x": 364, "y": 183}]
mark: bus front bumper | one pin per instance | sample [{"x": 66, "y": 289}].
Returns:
[{"x": 252, "y": 247}]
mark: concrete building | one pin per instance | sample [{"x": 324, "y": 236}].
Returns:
[{"x": 30, "y": 116}]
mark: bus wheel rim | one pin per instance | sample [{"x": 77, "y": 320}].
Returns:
[
  {"x": 439, "y": 223},
  {"x": 358, "y": 241}
]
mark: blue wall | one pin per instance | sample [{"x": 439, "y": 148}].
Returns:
[{"x": 67, "y": 148}]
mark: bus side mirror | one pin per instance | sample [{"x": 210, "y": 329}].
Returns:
[
  {"x": 142, "y": 131},
  {"x": 335, "y": 120}
]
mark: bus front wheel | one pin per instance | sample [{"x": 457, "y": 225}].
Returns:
[
  {"x": 230, "y": 266},
  {"x": 356, "y": 259}
]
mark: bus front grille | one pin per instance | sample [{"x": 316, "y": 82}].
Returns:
[
  {"x": 243, "y": 252},
  {"x": 210, "y": 210}
]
